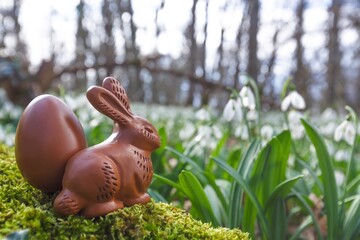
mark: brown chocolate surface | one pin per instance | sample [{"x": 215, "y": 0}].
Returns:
[{"x": 51, "y": 148}]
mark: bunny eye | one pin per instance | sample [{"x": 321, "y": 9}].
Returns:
[{"x": 149, "y": 129}]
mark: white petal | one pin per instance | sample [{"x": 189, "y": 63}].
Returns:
[
  {"x": 238, "y": 110},
  {"x": 251, "y": 115},
  {"x": 243, "y": 91},
  {"x": 329, "y": 113},
  {"x": 294, "y": 118},
  {"x": 266, "y": 132},
  {"x": 297, "y": 100},
  {"x": 203, "y": 115},
  {"x": 339, "y": 177},
  {"x": 229, "y": 111},
  {"x": 339, "y": 131},
  {"x": 248, "y": 98},
  {"x": 285, "y": 103},
  {"x": 217, "y": 132},
  {"x": 244, "y": 134},
  {"x": 349, "y": 133}
]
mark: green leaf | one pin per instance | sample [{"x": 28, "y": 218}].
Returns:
[
  {"x": 169, "y": 182},
  {"x": 352, "y": 186},
  {"x": 278, "y": 213},
  {"x": 263, "y": 222},
  {"x": 351, "y": 172},
  {"x": 216, "y": 205},
  {"x": 163, "y": 138},
  {"x": 212, "y": 182},
  {"x": 311, "y": 172},
  {"x": 281, "y": 190},
  {"x": 352, "y": 220},
  {"x": 309, "y": 211},
  {"x": 236, "y": 192},
  {"x": 196, "y": 194},
  {"x": 184, "y": 158},
  {"x": 256, "y": 184},
  {"x": 156, "y": 195},
  {"x": 328, "y": 181},
  {"x": 305, "y": 224},
  {"x": 268, "y": 172},
  {"x": 248, "y": 159}
]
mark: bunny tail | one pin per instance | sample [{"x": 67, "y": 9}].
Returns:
[{"x": 65, "y": 204}]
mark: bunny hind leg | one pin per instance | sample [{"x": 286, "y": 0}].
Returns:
[{"x": 66, "y": 204}]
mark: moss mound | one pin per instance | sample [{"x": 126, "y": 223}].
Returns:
[{"x": 23, "y": 207}]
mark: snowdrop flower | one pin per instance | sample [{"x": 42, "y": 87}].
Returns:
[
  {"x": 342, "y": 155},
  {"x": 329, "y": 113},
  {"x": 297, "y": 130},
  {"x": 346, "y": 131},
  {"x": 328, "y": 129},
  {"x": 242, "y": 132},
  {"x": 266, "y": 132},
  {"x": 248, "y": 98},
  {"x": 232, "y": 110},
  {"x": 202, "y": 115},
  {"x": 187, "y": 131},
  {"x": 293, "y": 99},
  {"x": 251, "y": 115},
  {"x": 339, "y": 177},
  {"x": 217, "y": 132}
]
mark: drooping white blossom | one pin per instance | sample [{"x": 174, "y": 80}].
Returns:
[
  {"x": 293, "y": 99},
  {"x": 267, "y": 132},
  {"x": 339, "y": 177},
  {"x": 232, "y": 110},
  {"x": 345, "y": 131},
  {"x": 248, "y": 98},
  {"x": 342, "y": 155},
  {"x": 203, "y": 115},
  {"x": 242, "y": 132},
  {"x": 296, "y": 128},
  {"x": 251, "y": 115}
]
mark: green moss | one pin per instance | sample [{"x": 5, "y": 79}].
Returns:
[{"x": 23, "y": 207}]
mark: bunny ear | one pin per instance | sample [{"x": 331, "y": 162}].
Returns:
[
  {"x": 107, "y": 103},
  {"x": 118, "y": 90}
]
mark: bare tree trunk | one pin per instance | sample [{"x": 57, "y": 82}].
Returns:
[
  {"x": 137, "y": 87},
  {"x": 82, "y": 38},
  {"x": 240, "y": 32},
  {"x": 336, "y": 84},
  {"x": 356, "y": 23},
  {"x": 205, "y": 91},
  {"x": 155, "y": 84},
  {"x": 253, "y": 62},
  {"x": 269, "y": 93},
  {"x": 301, "y": 74},
  {"x": 193, "y": 52},
  {"x": 108, "y": 44},
  {"x": 20, "y": 45}
]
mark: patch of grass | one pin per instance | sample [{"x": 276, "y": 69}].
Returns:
[{"x": 23, "y": 207}]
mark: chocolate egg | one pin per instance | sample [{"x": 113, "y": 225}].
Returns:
[{"x": 48, "y": 134}]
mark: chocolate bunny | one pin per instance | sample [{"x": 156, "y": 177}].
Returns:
[{"x": 115, "y": 173}]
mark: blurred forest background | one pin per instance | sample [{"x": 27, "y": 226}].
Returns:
[{"x": 221, "y": 42}]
